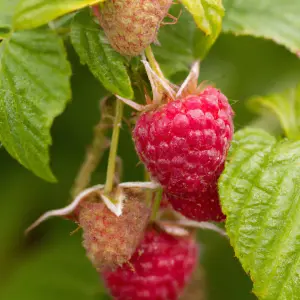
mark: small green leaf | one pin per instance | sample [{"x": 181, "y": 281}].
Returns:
[
  {"x": 34, "y": 13},
  {"x": 34, "y": 89},
  {"x": 205, "y": 13},
  {"x": 106, "y": 64},
  {"x": 285, "y": 105},
  {"x": 260, "y": 195},
  {"x": 175, "y": 49},
  {"x": 276, "y": 20},
  {"x": 182, "y": 43},
  {"x": 208, "y": 16}
]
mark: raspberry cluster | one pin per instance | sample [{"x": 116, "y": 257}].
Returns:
[{"x": 183, "y": 144}]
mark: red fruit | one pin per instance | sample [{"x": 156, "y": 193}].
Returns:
[
  {"x": 203, "y": 207},
  {"x": 159, "y": 269},
  {"x": 185, "y": 142},
  {"x": 109, "y": 240}
]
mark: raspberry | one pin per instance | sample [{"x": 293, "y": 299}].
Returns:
[
  {"x": 131, "y": 25},
  {"x": 203, "y": 207},
  {"x": 109, "y": 240},
  {"x": 159, "y": 269},
  {"x": 184, "y": 143}
]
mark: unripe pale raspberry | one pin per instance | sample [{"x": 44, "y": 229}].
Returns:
[
  {"x": 159, "y": 270},
  {"x": 184, "y": 143},
  {"x": 131, "y": 25},
  {"x": 109, "y": 240}
]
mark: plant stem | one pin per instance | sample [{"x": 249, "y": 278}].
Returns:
[
  {"x": 114, "y": 148},
  {"x": 148, "y": 192},
  {"x": 153, "y": 63},
  {"x": 156, "y": 204},
  {"x": 94, "y": 153}
]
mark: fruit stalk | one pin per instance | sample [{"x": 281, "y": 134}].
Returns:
[
  {"x": 114, "y": 147},
  {"x": 156, "y": 204},
  {"x": 153, "y": 63},
  {"x": 149, "y": 193},
  {"x": 94, "y": 153}
]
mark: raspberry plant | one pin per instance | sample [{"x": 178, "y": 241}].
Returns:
[{"x": 167, "y": 226}]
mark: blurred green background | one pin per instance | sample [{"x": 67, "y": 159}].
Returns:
[{"x": 50, "y": 263}]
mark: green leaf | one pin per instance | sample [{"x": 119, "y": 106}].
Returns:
[
  {"x": 276, "y": 20},
  {"x": 34, "y": 13},
  {"x": 205, "y": 13},
  {"x": 175, "y": 49},
  {"x": 285, "y": 105},
  {"x": 181, "y": 44},
  {"x": 34, "y": 89},
  {"x": 260, "y": 195},
  {"x": 106, "y": 64},
  {"x": 6, "y": 12},
  {"x": 208, "y": 16}
]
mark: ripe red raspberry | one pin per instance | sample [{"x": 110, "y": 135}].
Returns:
[
  {"x": 203, "y": 207},
  {"x": 131, "y": 25},
  {"x": 159, "y": 269},
  {"x": 109, "y": 240},
  {"x": 185, "y": 142}
]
